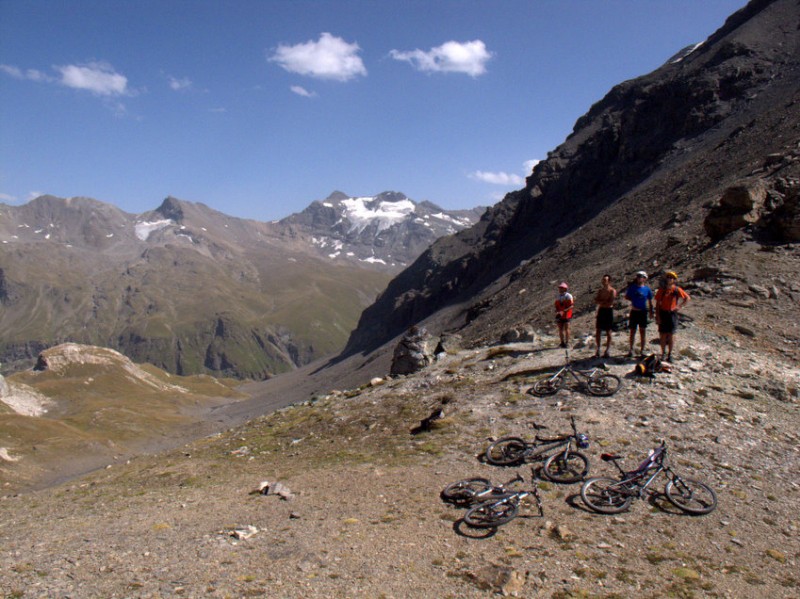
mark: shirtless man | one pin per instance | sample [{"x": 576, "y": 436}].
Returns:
[{"x": 605, "y": 298}]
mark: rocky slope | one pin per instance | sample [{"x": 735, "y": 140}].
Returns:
[
  {"x": 632, "y": 187},
  {"x": 363, "y": 515},
  {"x": 193, "y": 290}
]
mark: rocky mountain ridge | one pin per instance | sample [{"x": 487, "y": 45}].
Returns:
[
  {"x": 191, "y": 289},
  {"x": 387, "y": 230},
  {"x": 631, "y": 188}
]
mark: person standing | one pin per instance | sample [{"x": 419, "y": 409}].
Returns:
[
  {"x": 605, "y": 298},
  {"x": 564, "y": 304},
  {"x": 641, "y": 298},
  {"x": 669, "y": 300}
]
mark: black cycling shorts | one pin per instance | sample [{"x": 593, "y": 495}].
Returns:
[
  {"x": 667, "y": 321},
  {"x": 638, "y": 319},
  {"x": 605, "y": 319}
]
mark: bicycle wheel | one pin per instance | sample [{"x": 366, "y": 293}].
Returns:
[
  {"x": 569, "y": 469},
  {"x": 490, "y": 514},
  {"x": 464, "y": 491},
  {"x": 604, "y": 495},
  {"x": 691, "y": 496},
  {"x": 547, "y": 386},
  {"x": 506, "y": 452},
  {"x": 603, "y": 385}
]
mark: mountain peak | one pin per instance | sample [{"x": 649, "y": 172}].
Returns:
[
  {"x": 171, "y": 208},
  {"x": 336, "y": 196}
]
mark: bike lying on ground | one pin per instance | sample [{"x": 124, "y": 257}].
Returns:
[
  {"x": 503, "y": 508},
  {"x": 597, "y": 381},
  {"x": 475, "y": 490},
  {"x": 612, "y": 496},
  {"x": 563, "y": 463}
]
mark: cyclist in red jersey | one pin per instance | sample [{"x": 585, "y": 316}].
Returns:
[{"x": 564, "y": 303}]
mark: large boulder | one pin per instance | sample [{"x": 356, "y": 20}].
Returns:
[
  {"x": 739, "y": 206},
  {"x": 414, "y": 352}
]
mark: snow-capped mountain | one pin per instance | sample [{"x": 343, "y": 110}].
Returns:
[
  {"x": 191, "y": 289},
  {"x": 388, "y": 230}
]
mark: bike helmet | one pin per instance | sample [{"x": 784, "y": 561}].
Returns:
[
  {"x": 563, "y": 286},
  {"x": 583, "y": 441},
  {"x": 671, "y": 274}
]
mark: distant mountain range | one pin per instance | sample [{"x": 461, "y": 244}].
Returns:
[
  {"x": 193, "y": 290},
  {"x": 388, "y": 230}
]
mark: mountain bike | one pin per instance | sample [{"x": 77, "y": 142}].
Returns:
[
  {"x": 502, "y": 509},
  {"x": 475, "y": 490},
  {"x": 612, "y": 496},
  {"x": 563, "y": 463},
  {"x": 597, "y": 381}
]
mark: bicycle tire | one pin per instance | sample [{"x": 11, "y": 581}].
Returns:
[
  {"x": 507, "y": 451},
  {"x": 603, "y": 385},
  {"x": 547, "y": 386},
  {"x": 567, "y": 470},
  {"x": 491, "y": 514},
  {"x": 691, "y": 496},
  {"x": 464, "y": 491},
  {"x": 599, "y": 494}
]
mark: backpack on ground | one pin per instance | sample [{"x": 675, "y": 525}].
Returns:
[{"x": 648, "y": 366}]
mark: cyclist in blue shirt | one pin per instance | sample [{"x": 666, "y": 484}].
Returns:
[{"x": 641, "y": 298}]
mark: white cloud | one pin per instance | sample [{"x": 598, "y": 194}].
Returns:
[
  {"x": 502, "y": 178},
  {"x": 451, "y": 57},
  {"x": 96, "y": 77},
  {"x": 497, "y": 178},
  {"x": 30, "y": 74},
  {"x": 328, "y": 58},
  {"x": 179, "y": 84},
  {"x": 301, "y": 91},
  {"x": 4, "y": 197}
]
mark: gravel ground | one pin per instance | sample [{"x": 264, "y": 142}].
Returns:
[{"x": 365, "y": 518}]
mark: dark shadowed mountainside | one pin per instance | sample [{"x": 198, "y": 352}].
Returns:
[{"x": 632, "y": 187}]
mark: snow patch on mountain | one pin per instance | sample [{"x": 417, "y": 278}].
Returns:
[
  {"x": 144, "y": 229},
  {"x": 362, "y": 212}
]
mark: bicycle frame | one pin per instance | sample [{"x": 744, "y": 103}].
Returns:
[
  {"x": 563, "y": 443},
  {"x": 518, "y": 496},
  {"x": 631, "y": 481}
]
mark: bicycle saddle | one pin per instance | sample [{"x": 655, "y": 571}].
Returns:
[{"x": 610, "y": 457}]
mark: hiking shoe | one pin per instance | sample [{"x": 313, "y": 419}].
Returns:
[
  {"x": 606, "y": 355},
  {"x": 629, "y": 354},
  {"x": 597, "y": 354},
  {"x": 563, "y": 345}
]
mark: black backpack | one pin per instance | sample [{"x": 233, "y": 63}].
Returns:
[{"x": 648, "y": 366}]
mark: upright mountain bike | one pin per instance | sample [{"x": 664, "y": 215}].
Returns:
[
  {"x": 563, "y": 463},
  {"x": 612, "y": 496}
]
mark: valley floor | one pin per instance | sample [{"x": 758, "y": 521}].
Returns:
[{"x": 366, "y": 519}]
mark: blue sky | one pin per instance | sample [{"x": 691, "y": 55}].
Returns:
[{"x": 257, "y": 108}]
